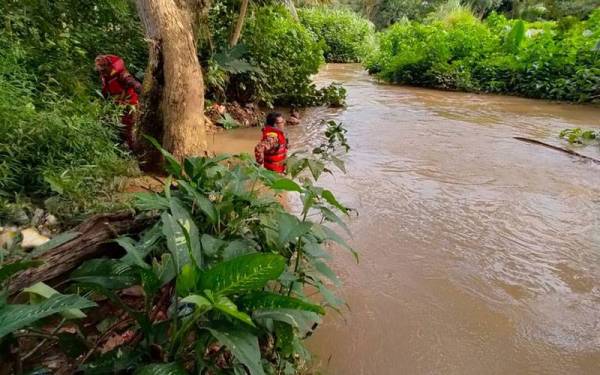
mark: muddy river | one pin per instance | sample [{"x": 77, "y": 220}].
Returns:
[{"x": 479, "y": 253}]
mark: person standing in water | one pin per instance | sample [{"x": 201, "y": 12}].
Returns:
[
  {"x": 119, "y": 84},
  {"x": 271, "y": 151}
]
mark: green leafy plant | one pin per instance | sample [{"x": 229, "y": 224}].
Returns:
[
  {"x": 346, "y": 34},
  {"x": 457, "y": 51},
  {"x": 228, "y": 122},
  {"x": 578, "y": 135},
  {"x": 225, "y": 268}
]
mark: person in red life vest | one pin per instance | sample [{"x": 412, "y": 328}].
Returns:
[
  {"x": 119, "y": 84},
  {"x": 271, "y": 151}
]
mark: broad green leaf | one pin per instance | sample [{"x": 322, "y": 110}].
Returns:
[
  {"x": 287, "y": 185},
  {"x": 107, "y": 273},
  {"x": 290, "y": 227},
  {"x": 316, "y": 168},
  {"x": 135, "y": 255},
  {"x": 237, "y": 248},
  {"x": 165, "y": 268},
  {"x": 331, "y": 216},
  {"x": 13, "y": 317},
  {"x": 43, "y": 290},
  {"x": 8, "y": 270},
  {"x": 272, "y": 301},
  {"x": 329, "y": 296},
  {"x": 198, "y": 300},
  {"x": 53, "y": 243},
  {"x": 325, "y": 233},
  {"x": 284, "y": 334},
  {"x": 324, "y": 269},
  {"x": 211, "y": 245},
  {"x": 189, "y": 228},
  {"x": 339, "y": 163},
  {"x": 176, "y": 241},
  {"x": 151, "y": 201},
  {"x": 187, "y": 279},
  {"x": 162, "y": 369},
  {"x": 243, "y": 345},
  {"x": 303, "y": 321},
  {"x": 151, "y": 281},
  {"x": 315, "y": 250},
  {"x": 203, "y": 202},
  {"x": 243, "y": 274},
  {"x": 330, "y": 198},
  {"x": 226, "y": 306}
]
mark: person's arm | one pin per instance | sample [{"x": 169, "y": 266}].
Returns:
[
  {"x": 130, "y": 82},
  {"x": 265, "y": 145}
]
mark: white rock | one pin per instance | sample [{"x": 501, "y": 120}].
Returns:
[
  {"x": 31, "y": 238},
  {"x": 51, "y": 220}
]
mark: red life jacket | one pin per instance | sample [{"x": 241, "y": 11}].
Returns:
[
  {"x": 114, "y": 84},
  {"x": 275, "y": 159}
]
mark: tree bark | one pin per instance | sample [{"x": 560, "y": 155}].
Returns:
[
  {"x": 94, "y": 232},
  {"x": 237, "y": 32},
  {"x": 292, "y": 8},
  {"x": 174, "y": 95}
]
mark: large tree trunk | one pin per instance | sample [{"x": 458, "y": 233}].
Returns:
[
  {"x": 235, "y": 36},
  {"x": 174, "y": 91}
]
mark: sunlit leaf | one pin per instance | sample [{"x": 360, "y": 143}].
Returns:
[
  {"x": 272, "y": 301},
  {"x": 242, "y": 274},
  {"x": 243, "y": 345},
  {"x": 43, "y": 290}
]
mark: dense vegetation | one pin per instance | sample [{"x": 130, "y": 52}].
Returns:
[
  {"x": 346, "y": 35},
  {"x": 384, "y": 13},
  {"x": 222, "y": 278},
  {"x": 455, "y": 50},
  {"x": 60, "y": 138},
  {"x": 220, "y": 281}
]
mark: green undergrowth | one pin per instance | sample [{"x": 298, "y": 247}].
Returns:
[{"x": 229, "y": 281}]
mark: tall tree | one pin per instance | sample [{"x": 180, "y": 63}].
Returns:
[{"x": 173, "y": 93}]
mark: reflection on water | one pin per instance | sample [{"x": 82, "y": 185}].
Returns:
[{"x": 480, "y": 254}]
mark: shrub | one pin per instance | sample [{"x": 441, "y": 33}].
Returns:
[
  {"x": 346, "y": 35},
  {"x": 52, "y": 146},
  {"x": 542, "y": 59},
  {"x": 226, "y": 274},
  {"x": 286, "y": 54}
]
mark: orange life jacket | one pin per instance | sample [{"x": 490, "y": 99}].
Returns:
[{"x": 275, "y": 159}]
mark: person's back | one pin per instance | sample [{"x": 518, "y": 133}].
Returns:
[
  {"x": 271, "y": 151},
  {"x": 122, "y": 87}
]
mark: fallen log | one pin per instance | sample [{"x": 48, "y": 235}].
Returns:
[
  {"x": 570, "y": 152},
  {"x": 87, "y": 244}
]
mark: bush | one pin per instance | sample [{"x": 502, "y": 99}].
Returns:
[
  {"x": 226, "y": 275},
  {"x": 287, "y": 54},
  {"x": 273, "y": 63},
  {"x": 52, "y": 146},
  {"x": 542, "y": 59},
  {"x": 345, "y": 33},
  {"x": 59, "y": 39}
]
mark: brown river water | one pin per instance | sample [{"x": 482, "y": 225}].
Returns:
[{"x": 479, "y": 253}]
